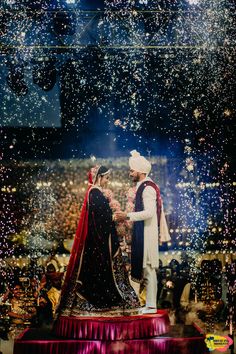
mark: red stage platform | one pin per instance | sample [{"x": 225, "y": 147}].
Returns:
[
  {"x": 113, "y": 328},
  {"x": 179, "y": 340}
]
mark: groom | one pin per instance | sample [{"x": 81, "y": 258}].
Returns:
[{"x": 149, "y": 222}]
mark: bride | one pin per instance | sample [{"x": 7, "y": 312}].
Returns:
[{"x": 96, "y": 281}]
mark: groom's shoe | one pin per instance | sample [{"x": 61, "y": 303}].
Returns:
[{"x": 149, "y": 310}]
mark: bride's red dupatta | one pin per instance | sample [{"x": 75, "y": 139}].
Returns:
[{"x": 79, "y": 241}]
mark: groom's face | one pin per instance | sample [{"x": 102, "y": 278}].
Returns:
[{"x": 134, "y": 175}]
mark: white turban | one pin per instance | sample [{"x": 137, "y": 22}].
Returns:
[{"x": 138, "y": 163}]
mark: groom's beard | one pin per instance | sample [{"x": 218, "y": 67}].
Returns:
[{"x": 135, "y": 178}]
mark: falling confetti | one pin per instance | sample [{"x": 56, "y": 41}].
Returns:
[{"x": 142, "y": 73}]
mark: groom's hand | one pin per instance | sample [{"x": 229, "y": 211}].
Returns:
[{"x": 120, "y": 216}]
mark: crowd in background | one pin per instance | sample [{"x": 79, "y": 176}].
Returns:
[{"x": 45, "y": 206}]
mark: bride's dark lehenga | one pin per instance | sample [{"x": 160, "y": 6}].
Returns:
[{"x": 97, "y": 281}]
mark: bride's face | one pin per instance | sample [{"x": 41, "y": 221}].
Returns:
[{"x": 104, "y": 181}]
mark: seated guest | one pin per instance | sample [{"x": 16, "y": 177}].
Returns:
[{"x": 19, "y": 313}]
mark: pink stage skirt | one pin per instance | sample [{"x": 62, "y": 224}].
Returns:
[{"x": 113, "y": 328}]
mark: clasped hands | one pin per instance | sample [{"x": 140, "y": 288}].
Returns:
[{"x": 120, "y": 216}]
